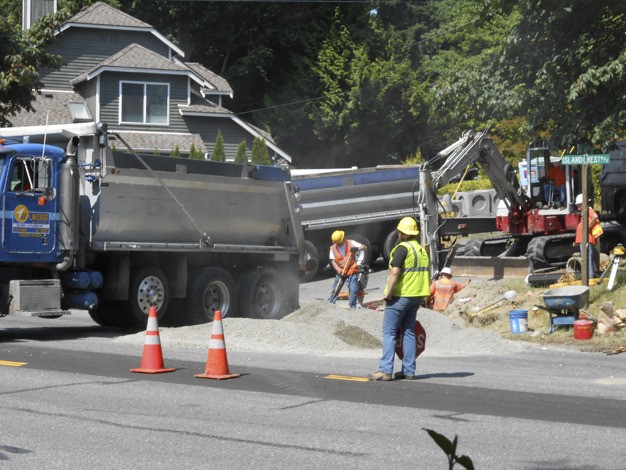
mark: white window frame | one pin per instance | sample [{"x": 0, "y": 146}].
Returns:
[{"x": 145, "y": 84}]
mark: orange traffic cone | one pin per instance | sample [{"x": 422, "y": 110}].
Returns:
[
  {"x": 217, "y": 363},
  {"x": 152, "y": 358}
]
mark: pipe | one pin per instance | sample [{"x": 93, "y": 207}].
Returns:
[{"x": 68, "y": 206}]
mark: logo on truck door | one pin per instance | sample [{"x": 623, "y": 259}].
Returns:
[{"x": 30, "y": 224}]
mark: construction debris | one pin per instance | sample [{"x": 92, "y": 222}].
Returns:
[{"x": 619, "y": 350}]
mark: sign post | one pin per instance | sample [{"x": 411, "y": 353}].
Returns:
[{"x": 585, "y": 160}]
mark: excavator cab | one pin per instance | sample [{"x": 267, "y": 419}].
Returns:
[
  {"x": 549, "y": 184},
  {"x": 532, "y": 172}
]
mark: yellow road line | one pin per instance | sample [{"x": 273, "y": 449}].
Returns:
[
  {"x": 347, "y": 377},
  {"x": 12, "y": 364}
]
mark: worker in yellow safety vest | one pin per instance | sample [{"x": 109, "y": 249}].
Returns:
[
  {"x": 408, "y": 288},
  {"x": 443, "y": 289}
]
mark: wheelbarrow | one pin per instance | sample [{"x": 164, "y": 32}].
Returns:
[{"x": 564, "y": 304}]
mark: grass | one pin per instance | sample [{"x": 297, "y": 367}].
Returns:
[{"x": 539, "y": 322}]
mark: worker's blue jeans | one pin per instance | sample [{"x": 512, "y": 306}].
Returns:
[
  {"x": 400, "y": 312},
  {"x": 353, "y": 288}
]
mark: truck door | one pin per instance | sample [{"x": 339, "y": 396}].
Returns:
[{"x": 29, "y": 224}]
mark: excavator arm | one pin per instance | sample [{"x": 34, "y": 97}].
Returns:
[
  {"x": 472, "y": 147},
  {"x": 477, "y": 148}
]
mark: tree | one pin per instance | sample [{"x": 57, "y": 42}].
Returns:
[
  {"x": 566, "y": 62},
  {"x": 22, "y": 54},
  {"x": 242, "y": 152},
  {"x": 195, "y": 154},
  {"x": 175, "y": 152},
  {"x": 260, "y": 154},
  {"x": 558, "y": 69},
  {"x": 218, "y": 154},
  {"x": 372, "y": 102}
]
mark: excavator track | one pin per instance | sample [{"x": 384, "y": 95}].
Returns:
[{"x": 549, "y": 252}]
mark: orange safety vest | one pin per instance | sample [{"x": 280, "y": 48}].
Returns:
[
  {"x": 442, "y": 291},
  {"x": 341, "y": 260},
  {"x": 579, "y": 229}
]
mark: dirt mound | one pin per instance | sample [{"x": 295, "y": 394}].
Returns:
[{"x": 323, "y": 329}]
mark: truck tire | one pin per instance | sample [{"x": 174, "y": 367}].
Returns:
[
  {"x": 322, "y": 256},
  {"x": 262, "y": 294},
  {"x": 390, "y": 243},
  {"x": 210, "y": 289},
  {"x": 367, "y": 255},
  {"x": 313, "y": 260},
  {"x": 149, "y": 287},
  {"x": 106, "y": 314}
]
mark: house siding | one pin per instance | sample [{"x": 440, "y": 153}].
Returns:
[
  {"x": 110, "y": 102},
  {"x": 232, "y": 133},
  {"x": 80, "y": 49}
]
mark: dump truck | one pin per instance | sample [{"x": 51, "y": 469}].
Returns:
[
  {"x": 116, "y": 233},
  {"x": 367, "y": 204}
]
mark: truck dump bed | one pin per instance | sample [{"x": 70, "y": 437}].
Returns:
[
  {"x": 354, "y": 196},
  {"x": 180, "y": 202}
]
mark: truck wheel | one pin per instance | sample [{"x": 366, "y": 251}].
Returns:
[
  {"x": 322, "y": 256},
  {"x": 313, "y": 262},
  {"x": 149, "y": 287},
  {"x": 262, "y": 294},
  {"x": 367, "y": 255},
  {"x": 106, "y": 314},
  {"x": 210, "y": 289},
  {"x": 390, "y": 243}
]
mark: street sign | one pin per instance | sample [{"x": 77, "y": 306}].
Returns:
[{"x": 601, "y": 159}]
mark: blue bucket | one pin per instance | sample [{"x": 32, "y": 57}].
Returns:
[{"x": 518, "y": 320}]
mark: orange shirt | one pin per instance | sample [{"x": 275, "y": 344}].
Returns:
[
  {"x": 579, "y": 229},
  {"x": 442, "y": 291},
  {"x": 556, "y": 173}
]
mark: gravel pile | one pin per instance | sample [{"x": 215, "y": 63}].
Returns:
[{"x": 323, "y": 329}]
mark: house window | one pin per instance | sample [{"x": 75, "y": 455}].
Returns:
[{"x": 144, "y": 103}]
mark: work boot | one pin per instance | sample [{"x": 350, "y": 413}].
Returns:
[
  {"x": 403, "y": 376},
  {"x": 380, "y": 375}
]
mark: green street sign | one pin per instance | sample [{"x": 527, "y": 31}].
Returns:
[{"x": 597, "y": 159}]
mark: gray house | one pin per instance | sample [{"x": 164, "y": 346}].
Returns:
[{"x": 120, "y": 70}]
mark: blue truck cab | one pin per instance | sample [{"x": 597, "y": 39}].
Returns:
[{"x": 30, "y": 202}]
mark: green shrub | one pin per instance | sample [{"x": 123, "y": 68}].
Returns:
[
  {"x": 195, "y": 154},
  {"x": 260, "y": 154},
  {"x": 218, "y": 154},
  {"x": 472, "y": 185},
  {"x": 242, "y": 152}
]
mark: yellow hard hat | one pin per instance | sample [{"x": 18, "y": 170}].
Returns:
[
  {"x": 337, "y": 236},
  {"x": 408, "y": 226}
]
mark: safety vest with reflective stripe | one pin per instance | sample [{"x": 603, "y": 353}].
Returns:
[
  {"x": 443, "y": 290},
  {"x": 341, "y": 260},
  {"x": 414, "y": 280}
]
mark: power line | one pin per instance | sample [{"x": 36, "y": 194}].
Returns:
[{"x": 372, "y": 2}]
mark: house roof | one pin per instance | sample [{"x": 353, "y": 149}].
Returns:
[
  {"x": 136, "y": 58},
  {"x": 218, "y": 83},
  {"x": 50, "y": 106},
  {"x": 103, "y": 16},
  {"x": 148, "y": 142}
]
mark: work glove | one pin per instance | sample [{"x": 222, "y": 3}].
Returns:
[{"x": 354, "y": 249}]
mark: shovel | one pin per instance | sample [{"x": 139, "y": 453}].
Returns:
[
  {"x": 335, "y": 293},
  {"x": 508, "y": 295}
]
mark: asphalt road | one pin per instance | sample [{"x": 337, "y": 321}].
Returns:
[{"x": 70, "y": 401}]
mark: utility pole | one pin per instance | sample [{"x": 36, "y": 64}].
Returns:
[{"x": 584, "y": 275}]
